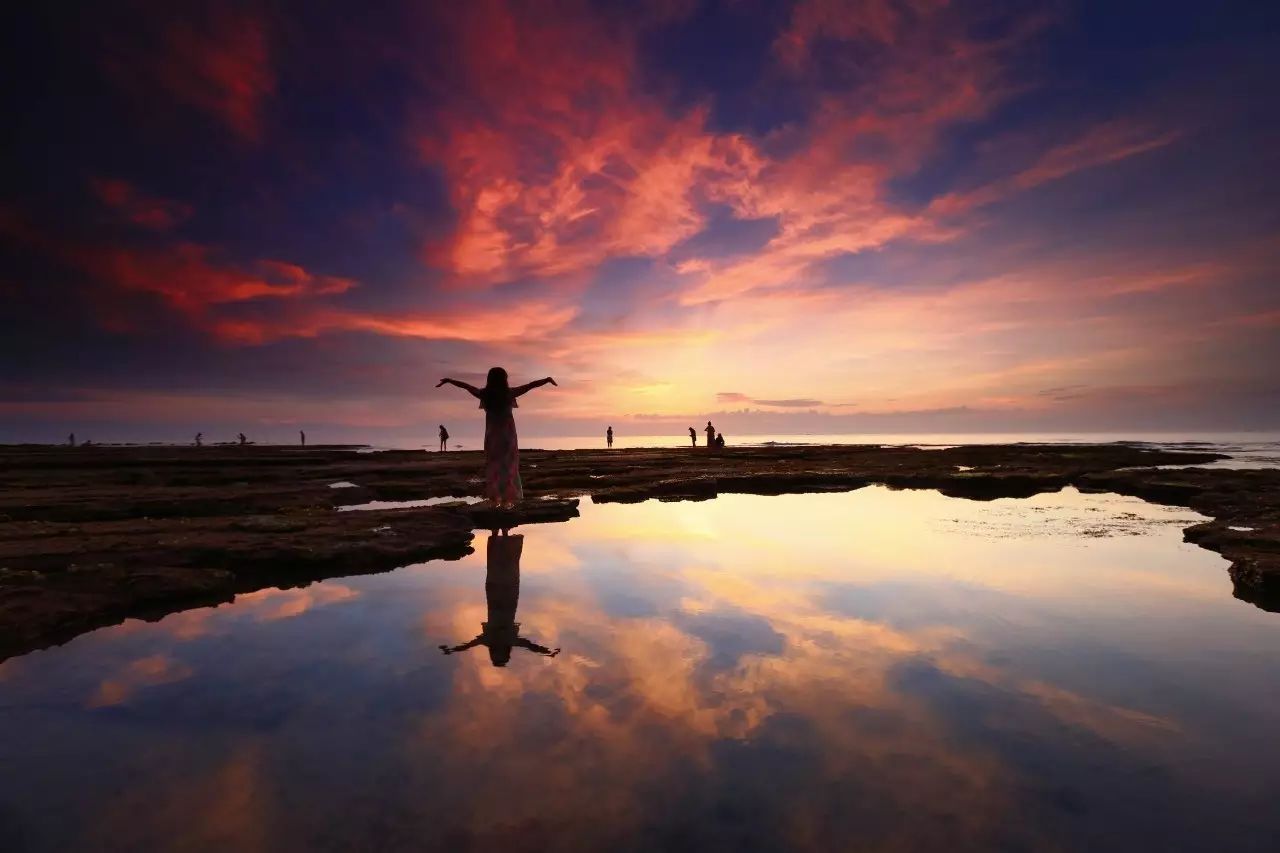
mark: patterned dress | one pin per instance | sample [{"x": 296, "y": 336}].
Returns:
[{"x": 502, "y": 456}]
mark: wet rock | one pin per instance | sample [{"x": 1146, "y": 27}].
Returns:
[
  {"x": 1234, "y": 499},
  {"x": 89, "y": 536},
  {"x": 60, "y": 580},
  {"x": 529, "y": 512}
]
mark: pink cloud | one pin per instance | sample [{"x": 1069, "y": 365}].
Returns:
[
  {"x": 829, "y": 193},
  {"x": 139, "y": 674},
  {"x": 190, "y": 278},
  {"x": 555, "y": 159},
  {"x": 516, "y": 322},
  {"x": 557, "y": 162},
  {"x": 134, "y": 206},
  {"x": 880, "y": 21},
  {"x": 219, "y": 65},
  {"x": 1097, "y": 146}
]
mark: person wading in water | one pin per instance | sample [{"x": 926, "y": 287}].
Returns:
[{"x": 501, "y": 451}]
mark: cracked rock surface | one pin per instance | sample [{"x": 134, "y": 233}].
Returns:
[{"x": 90, "y": 536}]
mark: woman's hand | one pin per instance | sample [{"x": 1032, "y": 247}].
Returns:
[
  {"x": 443, "y": 382},
  {"x": 553, "y": 382}
]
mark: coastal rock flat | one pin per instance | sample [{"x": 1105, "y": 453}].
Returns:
[{"x": 89, "y": 536}]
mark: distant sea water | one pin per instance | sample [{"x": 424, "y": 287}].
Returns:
[{"x": 1246, "y": 449}]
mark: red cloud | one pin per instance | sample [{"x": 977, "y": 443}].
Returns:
[
  {"x": 155, "y": 213},
  {"x": 554, "y": 160},
  {"x": 189, "y": 279},
  {"x": 218, "y": 65},
  {"x": 479, "y": 325},
  {"x": 557, "y": 162},
  {"x": 880, "y": 21}
]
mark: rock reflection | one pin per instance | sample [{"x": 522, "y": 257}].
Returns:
[{"x": 501, "y": 632}]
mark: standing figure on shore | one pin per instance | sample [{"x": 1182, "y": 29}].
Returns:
[
  {"x": 693, "y": 436},
  {"x": 444, "y": 438},
  {"x": 500, "y": 633},
  {"x": 608, "y": 436},
  {"x": 501, "y": 449},
  {"x": 243, "y": 439},
  {"x": 71, "y": 440},
  {"x": 303, "y": 436},
  {"x": 711, "y": 435},
  {"x": 199, "y": 439}
]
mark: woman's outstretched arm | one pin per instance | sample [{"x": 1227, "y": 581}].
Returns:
[
  {"x": 471, "y": 389},
  {"x": 537, "y": 383},
  {"x": 534, "y": 647},
  {"x": 448, "y": 650}
]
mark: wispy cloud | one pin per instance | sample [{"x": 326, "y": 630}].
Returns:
[
  {"x": 792, "y": 403},
  {"x": 1097, "y": 146},
  {"x": 159, "y": 214},
  {"x": 888, "y": 201},
  {"x": 217, "y": 63}
]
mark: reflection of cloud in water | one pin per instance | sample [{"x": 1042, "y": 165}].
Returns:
[
  {"x": 264, "y": 605},
  {"x": 865, "y": 670},
  {"x": 752, "y": 654},
  {"x": 141, "y": 673},
  {"x": 271, "y": 604},
  {"x": 226, "y": 807}
]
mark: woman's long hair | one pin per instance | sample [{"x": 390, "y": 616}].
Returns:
[{"x": 496, "y": 392}]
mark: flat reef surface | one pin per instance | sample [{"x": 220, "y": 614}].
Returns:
[{"x": 90, "y": 536}]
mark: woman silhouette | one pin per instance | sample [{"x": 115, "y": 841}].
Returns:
[
  {"x": 501, "y": 449},
  {"x": 501, "y": 632}
]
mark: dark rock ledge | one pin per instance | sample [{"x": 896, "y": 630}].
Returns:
[{"x": 90, "y": 536}]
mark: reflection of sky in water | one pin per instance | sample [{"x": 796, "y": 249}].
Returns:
[
  {"x": 408, "y": 504},
  {"x": 820, "y": 672}
]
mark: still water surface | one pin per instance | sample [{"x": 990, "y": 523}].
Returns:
[{"x": 871, "y": 670}]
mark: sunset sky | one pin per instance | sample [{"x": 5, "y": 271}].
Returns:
[{"x": 820, "y": 216}]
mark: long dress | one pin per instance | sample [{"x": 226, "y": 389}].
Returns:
[{"x": 502, "y": 456}]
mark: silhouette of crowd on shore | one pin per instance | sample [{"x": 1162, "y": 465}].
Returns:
[
  {"x": 497, "y": 399},
  {"x": 241, "y": 439},
  {"x": 715, "y": 440}
]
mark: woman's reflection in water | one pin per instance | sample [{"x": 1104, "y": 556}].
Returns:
[{"x": 502, "y": 592}]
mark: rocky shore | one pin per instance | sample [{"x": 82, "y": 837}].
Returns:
[{"x": 90, "y": 536}]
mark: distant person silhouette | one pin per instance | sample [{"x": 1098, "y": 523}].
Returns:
[
  {"x": 71, "y": 440},
  {"x": 501, "y": 632},
  {"x": 302, "y": 435},
  {"x": 719, "y": 441},
  {"x": 693, "y": 436},
  {"x": 711, "y": 435},
  {"x": 199, "y": 439},
  {"x": 501, "y": 446},
  {"x": 608, "y": 436},
  {"x": 242, "y": 438},
  {"x": 444, "y": 438}
]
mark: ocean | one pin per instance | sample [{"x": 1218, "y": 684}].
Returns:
[{"x": 1246, "y": 449}]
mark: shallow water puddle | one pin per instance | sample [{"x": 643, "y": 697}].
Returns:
[
  {"x": 867, "y": 670},
  {"x": 406, "y": 504}
]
